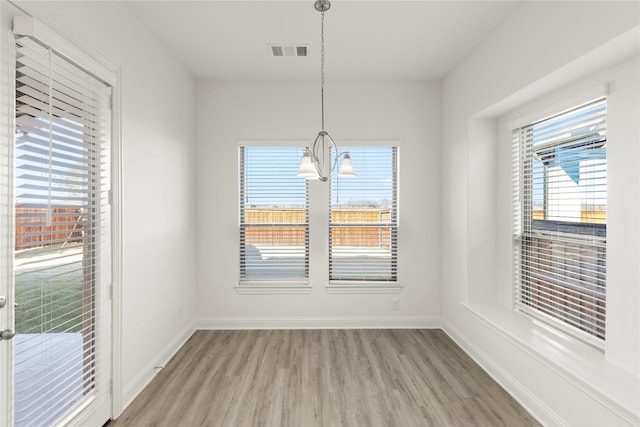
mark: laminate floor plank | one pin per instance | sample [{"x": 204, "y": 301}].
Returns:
[{"x": 317, "y": 378}]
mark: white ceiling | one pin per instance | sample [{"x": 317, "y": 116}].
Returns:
[{"x": 364, "y": 40}]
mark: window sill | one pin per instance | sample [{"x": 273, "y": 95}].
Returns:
[
  {"x": 345, "y": 287},
  {"x": 275, "y": 288},
  {"x": 575, "y": 361}
]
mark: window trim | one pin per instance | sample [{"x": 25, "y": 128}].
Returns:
[
  {"x": 541, "y": 228},
  {"x": 100, "y": 67},
  {"x": 364, "y": 287},
  {"x": 68, "y": 44},
  {"x": 261, "y": 287},
  {"x": 107, "y": 264},
  {"x": 369, "y": 286}
]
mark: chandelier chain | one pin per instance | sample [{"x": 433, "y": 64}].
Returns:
[
  {"x": 319, "y": 160},
  {"x": 322, "y": 66}
]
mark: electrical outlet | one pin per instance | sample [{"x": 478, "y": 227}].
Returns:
[{"x": 396, "y": 304}]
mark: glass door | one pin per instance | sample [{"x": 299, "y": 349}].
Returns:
[{"x": 60, "y": 370}]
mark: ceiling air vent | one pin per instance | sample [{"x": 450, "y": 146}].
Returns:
[{"x": 288, "y": 50}]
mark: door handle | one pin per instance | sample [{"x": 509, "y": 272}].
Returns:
[{"x": 7, "y": 334}]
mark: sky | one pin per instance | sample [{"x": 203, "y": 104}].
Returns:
[{"x": 273, "y": 180}]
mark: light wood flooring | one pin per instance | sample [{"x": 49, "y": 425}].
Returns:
[{"x": 307, "y": 378}]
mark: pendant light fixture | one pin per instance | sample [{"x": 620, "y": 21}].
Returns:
[{"x": 316, "y": 163}]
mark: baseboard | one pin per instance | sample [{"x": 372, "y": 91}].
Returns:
[
  {"x": 138, "y": 383},
  {"x": 517, "y": 390},
  {"x": 381, "y": 322}
]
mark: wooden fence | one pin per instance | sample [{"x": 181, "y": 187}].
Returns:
[
  {"x": 263, "y": 234},
  {"x": 295, "y": 235},
  {"x": 586, "y": 216},
  {"x": 31, "y": 231},
  {"x": 358, "y": 236}
]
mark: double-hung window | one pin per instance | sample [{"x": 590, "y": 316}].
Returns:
[
  {"x": 274, "y": 216},
  {"x": 363, "y": 224},
  {"x": 560, "y": 196}
]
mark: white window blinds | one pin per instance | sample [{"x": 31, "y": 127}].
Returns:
[
  {"x": 63, "y": 122},
  {"x": 560, "y": 172},
  {"x": 363, "y": 227},
  {"x": 274, "y": 216}
]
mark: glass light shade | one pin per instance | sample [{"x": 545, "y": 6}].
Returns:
[
  {"x": 307, "y": 169},
  {"x": 346, "y": 168}
]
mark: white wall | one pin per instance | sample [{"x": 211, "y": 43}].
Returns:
[
  {"x": 158, "y": 291},
  {"x": 545, "y": 54},
  {"x": 232, "y": 111},
  {"x": 445, "y": 253}
]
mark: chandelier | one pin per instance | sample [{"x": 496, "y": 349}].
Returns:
[{"x": 316, "y": 163}]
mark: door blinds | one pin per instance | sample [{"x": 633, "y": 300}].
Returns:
[
  {"x": 274, "y": 215},
  {"x": 363, "y": 226},
  {"x": 61, "y": 220},
  {"x": 560, "y": 172}
]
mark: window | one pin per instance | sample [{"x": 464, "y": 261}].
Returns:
[
  {"x": 363, "y": 225},
  {"x": 560, "y": 194},
  {"x": 274, "y": 216}
]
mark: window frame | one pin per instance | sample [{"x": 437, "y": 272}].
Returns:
[
  {"x": 589, "y": 235},
  {"x": 368, "y": 285},
  {"x": 276, "y": 285},
  {"x": 101, "y": 266}
]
